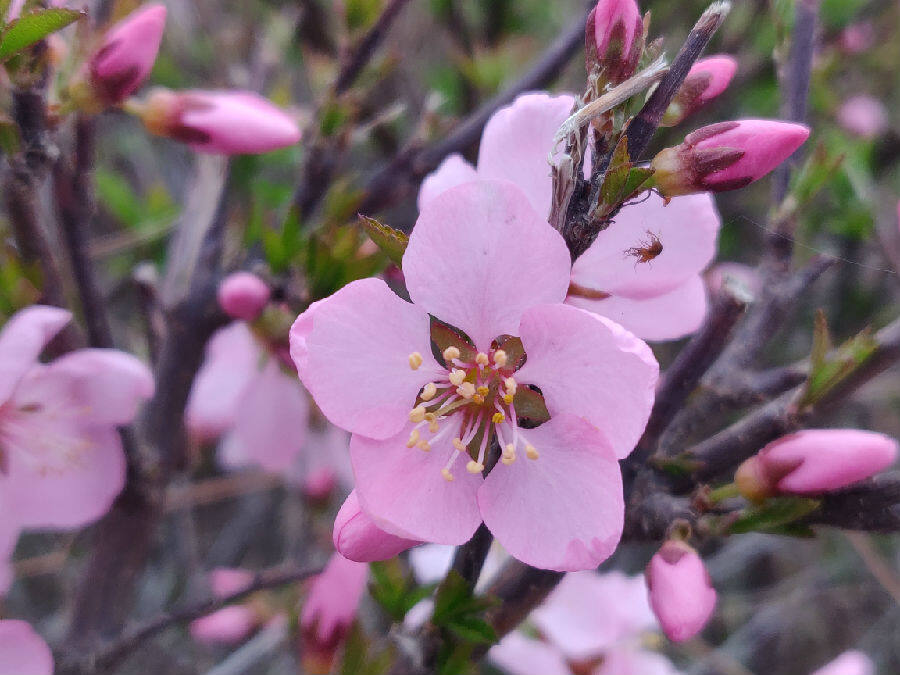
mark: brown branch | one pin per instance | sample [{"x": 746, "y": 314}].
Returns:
[{"x": 873, "y": 506}]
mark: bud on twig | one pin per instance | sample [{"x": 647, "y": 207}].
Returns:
[
  {"x": 218, "y": 122},
  {"x": 681, "y": 594},
  {"x": 814, "y": 461},
  {"x": 243, "y": 296},
  {"x": 706, "y": 80},
  {"x": 614, "y": 39},
  {"x": 356, "y": 537},
  {"x": 726, "y": 156}
]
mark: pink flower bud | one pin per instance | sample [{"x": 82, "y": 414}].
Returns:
[
  {"x": 614, "y": 38},
  {"x": 863, "y": 116},
  {"x": 329, "y": 611},
  {"x": 815, "y": 461},
  {"x": 849, "y": 663},
  {"x": 318, "y": 485},
  {"x": 707, "y": 79},
  {"x": 126, "y": 55},
  {"x": 356, "y": 537},
  {"x": 219, "y": 122},
  {"x": 726, "y": 156},
  {"x": 681, "y": 594},
  {"x": 243, "y": 295},
  {"x": 228, "y": 625}
]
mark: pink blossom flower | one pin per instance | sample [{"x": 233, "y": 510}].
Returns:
[
  {"x": 9, "y": 535},
  {"x": 612, "y": 38},
  {"x": 219, "y": 122},
  {"x": 125, "y": 57},
  {"x": 589, "y": 613},
  {"x": 243, "y": 295},
  {"x": 635, "y": 662},
  {"x": 857, "y": 37},
  {"x": 244, "y": 393},
  {"x": 849, "y": 663},
  {"x": 22, "y": 651},
  {"x": 707, "y": 79},
  {"x": 356, "y": 537},
  {"x": 726, "y": 156},
  {"x": 554, "y": 500},
  {"x": 864, "y": 116},
  {"x": 231, "y": 624},
  {"x": 681, "y": 594},
  {"x": 330, "y": 610},
  {"x": 517, "y": 654},
  {"x": 62, "y": 461},
  {"x": 660, "y": 300},
  {"x": 815, "y": 461},
  {"x": 324, "y": 466}
]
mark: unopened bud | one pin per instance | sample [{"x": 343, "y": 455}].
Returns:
[
  {"x": 706, "y": 80},
  {"x": 681, "y": 594},
  {"x": 614, "y": 39},
  {"x": 356, "y": 537},
  {"x": 243, "y": 295},
  {"x": 726, "y": 156},
  {"x": 218, "y": 122}
]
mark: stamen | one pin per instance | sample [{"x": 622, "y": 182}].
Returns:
[
  {"x": 500, "y": 358},
  {"x": 413, "y": 439},
  {"x": 423, "y": 445},
  {"x": 417, "y": 414},
  {"x": 509, "y": 454},
  {"x": 474, "y": 467},
  {"x": 457, "y": 377},
  {"x": 458, "y": 444},
  {"x": 467, "y": 390},
  {"x": 481, "y": 359},
  {"x": 531, "y": 452},
  {"x": 415, "y": 360},
  {"x": 451, "y": 353},
  {"x": 508, "y": 399},
  {"x": 478, "y": 399},
  {"x": 447, "y": 475},
  {"x": 484, "y": 391},
  {"x": 498, "y": 418},
  {"x": 433, "y": 426},
  {"x": 510, "y": 384},
  {"x": 429, "y": 392}
]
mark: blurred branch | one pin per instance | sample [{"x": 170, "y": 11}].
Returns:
[{"x": 882, "y": 572}]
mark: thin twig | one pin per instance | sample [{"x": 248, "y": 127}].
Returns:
[{"x": 882, "y": 572}]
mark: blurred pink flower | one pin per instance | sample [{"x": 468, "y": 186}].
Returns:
[
  {"x": 243, "y": 295},
  {"x": 365, "y": 355},
  {"x": 356, "y": 537},
  {"x": 126, "y": 55},
  {"x": 814, "y": 461},
  {"x": 849, "y": 663},
  {"x": 61, "y": 459},
  {"x": 9, "y": 535},
  {"x": 22, "y": 651},
  {"x": 864, "y": 116},
  {"x": 857, "y": 37},
  {"x": 635, "y": 662},
  {"x": 662, "y": 299},
  {"x": 244, "y": 394},
  {"x": 231, "y": 624},
  {"x": 517, "y": 654},
  {"x": 681, "y": 594},
  {"x": 219, "y": 122},
  {"x": 329, "y": 611},
  {"x": 726, "y": 156}
]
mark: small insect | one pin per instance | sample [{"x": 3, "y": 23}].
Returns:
[{"x": 649, "y": 249}]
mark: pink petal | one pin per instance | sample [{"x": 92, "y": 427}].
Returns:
[
  {"x": 352, "y": 353},
  {"x": 633, "y": 661},
  {"x": 232, "y": 360},
  {"x": 587, "y": 613},
  {"x": 852, "y": 662},
  {"x": 77, "y": 488},
  {"x": 681, "y": 594},
  {"x": 228, "y": 626},
  {"x": 271, "y": 420},
  {"x": 356, "y": 537},
  {"x": 665, "y": 317},
  {"x": 453, "y": 171},
  {"x": 520, "y": 655},
  {"x": 404, "y": 493},
  {"x": 9, "y": 536},
  {"x": 22, "y": 340},
  {"x": 517, "y": 145},
  {"x": 333, "y": 598},
  {"x": 22, "y": 651},
  {"x": 225, "y": 581},
  {"x": 687, "y": 229},
  {"x": 564, "y": 510},
  {"x": 99, "y": 386},
  {"x": 588, "y": 366},
  {"x": 479, "y": 256}
]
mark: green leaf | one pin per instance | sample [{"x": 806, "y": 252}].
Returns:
[
  {"x": 394, "y": 591},
  {"x": 459, "y": 611},
  {"x": 821, "y": 341},
  {"x": 473, "y": 630},
  {"x": 621, "y": 182},
  {"x": 774, "y": 515},
  {"x": 827, "y": 371},
  {"x": 9, "y": 135},
  {"x": 392, "y": 242},
  {"x": 31, "y": 28}
]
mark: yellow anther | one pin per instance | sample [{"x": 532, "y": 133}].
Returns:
[
  {"x": 531, "y": 452},
  {"x": 417, "y": 414},
  {"x": 429, "y": 391},
  {"x": 508, "y": 398},
  {"x": 433, "y": 426},
  {"x": 451, "y": 353},
  {"x": 466, "y": 390},
  {"x": 478, "y": 399},
  {"x": 415, "y": 360},
  {"x": 500, "y": 358},
  {"x": 447, "y": 475},
  {"x": 458, "y": 444},
  {"x": 508, "y": 459},
  {"x": 474, "y": 467},
  {"x": 456, "y": 377},
  {"x": 481, "y": 359},
  {"x": 430, "y": 417},
  {"x": 509, "y": 454},
  {"x": 498, "y": 418},
  {"x": 413, "y": 439},
  {"x": 510, "y": 385},
  {"x": 425, "y": 446},
  {"x": 484, "y": 391},
  {"x": 510, "y": 449}
]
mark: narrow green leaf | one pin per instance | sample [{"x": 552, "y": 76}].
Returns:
[
  {"x": 774, "y": 515},
  {"x": 31, "y": 28},
  {"x": 821, "y": 341},
  {"x": 392, "y": 242}
]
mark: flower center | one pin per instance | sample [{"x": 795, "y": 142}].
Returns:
[
  {"x": 474, "y": 402},
  {"x": 48, "y": 445}
]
